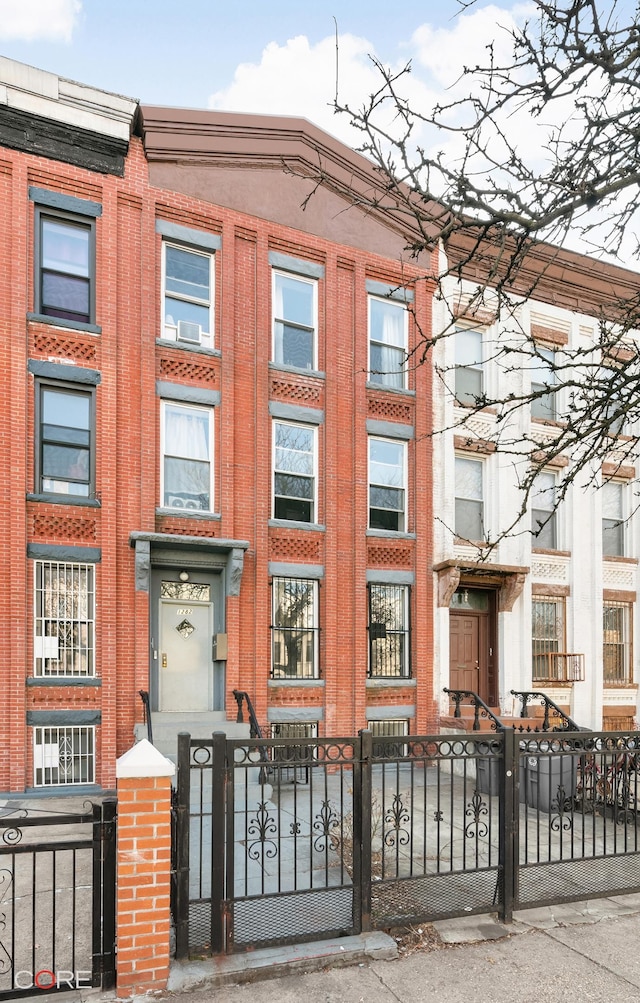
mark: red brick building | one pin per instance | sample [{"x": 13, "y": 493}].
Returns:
[{"x": 220, "y": 466}]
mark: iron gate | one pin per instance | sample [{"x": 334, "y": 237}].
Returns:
[
  {"x": 57, "y": 900},
  {"x": 286, "y": 840}
]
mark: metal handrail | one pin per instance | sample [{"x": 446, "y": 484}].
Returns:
[
  {"x": 144, "y": 696},
  {"x": 549, "y": 705},
  {"x": 255, "y": 731},
  {"x": 479, "y": 706}
]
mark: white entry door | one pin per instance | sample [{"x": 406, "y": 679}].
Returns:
[{"x": 185, "y": 665}]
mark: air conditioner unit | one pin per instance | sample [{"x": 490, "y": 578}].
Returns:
[
  {"x": 188, "y": 331},
  {"x": 175, "y": 501},
  {"x": 191, "y": 503}
]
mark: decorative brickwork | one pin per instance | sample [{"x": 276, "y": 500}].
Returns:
[
  {"x": 172, "y": 368},
  {"x": 395, "y": 556},
  {"x": 292, "y": 390},
  {"x": 389, "y": 409},
  {"x": 187, "y": 218},
  {"x": 46, "y": 527},
  {"x": 299, "y": 548},
  {"x": 67, "y": 185},
  {"x": 64, "y": 347},
  {"x": 185, "y": 527}
]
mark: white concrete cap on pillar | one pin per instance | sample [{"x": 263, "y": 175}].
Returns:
[{"x": 144, "y": 760}]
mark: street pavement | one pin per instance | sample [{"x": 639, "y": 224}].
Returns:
[{"x": 580, "y": 952}]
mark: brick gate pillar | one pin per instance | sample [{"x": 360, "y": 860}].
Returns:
[{"x": 143, "y": 870}]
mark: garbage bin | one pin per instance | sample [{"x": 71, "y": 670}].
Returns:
[
  {"x": 488, "y": 771},
  {"x": 543, "y": 776}
]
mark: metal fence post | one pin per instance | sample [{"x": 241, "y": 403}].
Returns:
[
  {"x": 218, "y": 830},
  {"x": 181, "y": 847},
  {"x": 509, "y": 823},
  {"x": 363, "y": 750},
  {"x": 104, "y": 894}
]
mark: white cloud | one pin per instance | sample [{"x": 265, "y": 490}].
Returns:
[
  {"x": 31, "y": 20},
  {"x": 299, "y": 79}
]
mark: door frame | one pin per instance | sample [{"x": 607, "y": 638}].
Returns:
[
  {"x": 206, "y": 576},
  {"x": 489, "y": 689}
]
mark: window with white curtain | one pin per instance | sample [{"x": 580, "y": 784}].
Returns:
[
  {"x": 388, "y": 336},
  {"x": 294, "y": 321},
  {"x": 187, "y": 457}
]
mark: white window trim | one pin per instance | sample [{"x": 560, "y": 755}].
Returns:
[
  {"x": 314, "y": 504},
  {"x": 483, "y": 499},
  {"x": 171, "y": 333},
  {"x": 405, "y": 484},
  {"x": 404, "y": 348},
  {"x": 314, "y": 285},
  {"x": 480, "y": 367},
  {"x": 209, "y": 411}
]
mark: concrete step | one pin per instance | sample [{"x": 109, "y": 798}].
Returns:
[{"x": 167, "y": 727}]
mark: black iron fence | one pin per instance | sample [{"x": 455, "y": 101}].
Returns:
[
  {"x": 337, "y": 836},
  {"x": 57, "y": 900}
]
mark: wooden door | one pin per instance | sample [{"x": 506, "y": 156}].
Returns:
[{"x": 464, "y": 652}]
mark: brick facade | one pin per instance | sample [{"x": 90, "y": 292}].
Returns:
[{"x": 121, "y": 529}]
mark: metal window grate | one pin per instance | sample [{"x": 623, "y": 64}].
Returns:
[
  {"x": 63, "y": 756},
  {"x": 617, "y": 643},
  {"x": 547, "y": 636},
  {"x": 64, "y": 622},
  {"x": 294, "y": 629},
  {"x": 389, "y": 633}
]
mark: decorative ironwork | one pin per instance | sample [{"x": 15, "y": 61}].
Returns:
[
  {"x": 12, "y": 836},
  {"x": 185, "y": 629},
  {"x": 6, "y": 880},
  {"x": 187, "y": 591},
  {"x": 262, "y": 827},
  {"x": 398, "y": 816},
  {"x": 552, "y": 713},
  {"x": 438, "y": 815},
  {"x": 476, "y": 809},
  {"x": 561, "y": 808},
  {"x": 480, "y": 708},
  {"x": 327, "y": 821}
]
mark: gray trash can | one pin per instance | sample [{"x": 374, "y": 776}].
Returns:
[
  {"x": 543, "y": 776},
  {"x": 488, "y": 771}
]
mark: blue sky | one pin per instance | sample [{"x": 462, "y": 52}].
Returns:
[{"x": 266, "y": 56}]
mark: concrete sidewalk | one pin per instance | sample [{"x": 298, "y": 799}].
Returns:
[{"x": 584, "y": 951}]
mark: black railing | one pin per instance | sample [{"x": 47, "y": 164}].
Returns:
[
  {"x": 555, "y": 719},
  {"x": 144, "y": 696},
  {"x": 255, "y": 731},
  {"x": 480, "y": 708}
]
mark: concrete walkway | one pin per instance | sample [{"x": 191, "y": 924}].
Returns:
[{"x": 580, "y": 952}]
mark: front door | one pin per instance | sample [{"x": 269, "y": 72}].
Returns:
[
  {"x": 464, "y": 652},
  {"x": 185, "y": 673}
]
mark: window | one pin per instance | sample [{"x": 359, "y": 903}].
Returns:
[
  {"x": 63, "y": 756},
  {"x": 616, "y": 643},
  {"x": 547, "y": 636},
  {"x": 469, "y": 505},
  {"x": 188, "y": 295},
  {"x": 388, "y": 332},
  {"x": 65, "y": 441},
  {"x": 386, "y": 729},
  {"x": 292, "y": 762},
  {"x": 64, "y": 619},
  {"x": 469, "y": 375},
  {"x": 613, "y": 519},
  {"x": 543, "y": 511},
  {"x": 294, "y": 321},
  {"x": 543, "y": 379},
  {"x": 389, "y": 631},
  {"x": 387, "y": 484},
  {"x": 65, "y": 266},
  {"x": 187, "y": 446},
  {"x": 294, "y": 629},
  {"x": 294, "y": 472}
]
